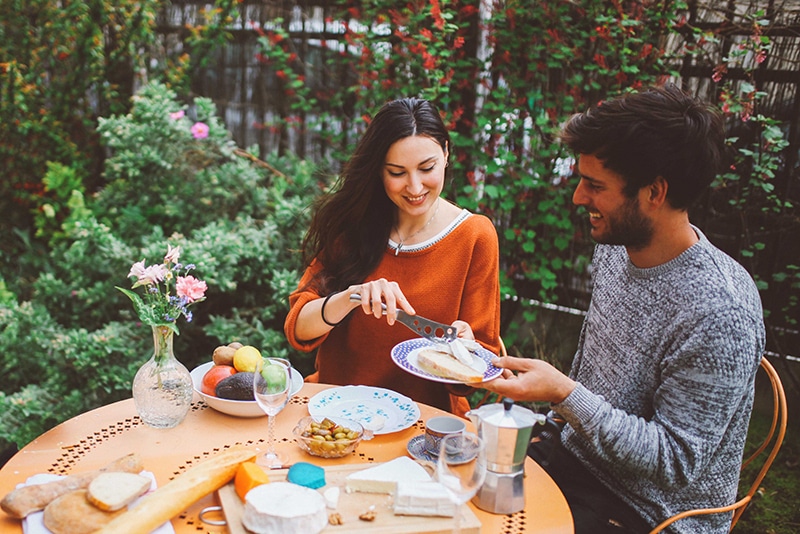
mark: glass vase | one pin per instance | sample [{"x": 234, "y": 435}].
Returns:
[{"x": 162, "y": 387}]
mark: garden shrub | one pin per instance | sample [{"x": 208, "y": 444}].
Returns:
[{"x": 236, "y": 217}]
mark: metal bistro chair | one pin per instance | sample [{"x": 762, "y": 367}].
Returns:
[{"x": 779, "y": 417}]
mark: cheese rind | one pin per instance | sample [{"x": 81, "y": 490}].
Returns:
[
  {"x": 423, "y": 498},
  {"x": 284, "y": 508},
  {"x": 385, "y": 477}
]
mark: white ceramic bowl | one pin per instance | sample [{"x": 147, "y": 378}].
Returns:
[{"x": 236, "y": 408}]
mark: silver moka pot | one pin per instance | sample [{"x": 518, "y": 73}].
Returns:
[{"x": 507, "y": 430}]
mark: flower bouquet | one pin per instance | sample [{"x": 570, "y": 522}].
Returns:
[{"x": 162, "y": 387}]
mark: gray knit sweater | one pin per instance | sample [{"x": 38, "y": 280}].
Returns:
[{"x": 665, "y": 368}]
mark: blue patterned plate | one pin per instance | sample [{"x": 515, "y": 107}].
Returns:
[
  {"x": 405, "y": 356},
  {"x": 381, "y": 410}
]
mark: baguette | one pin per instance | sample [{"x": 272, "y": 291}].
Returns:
[
  {"x": 32, "y": 498},
  {"x": 445, "y": 365},
  {"x": 177, "y": 495}
]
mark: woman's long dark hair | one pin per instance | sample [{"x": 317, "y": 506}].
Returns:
[{"x": 351, "y": 225}]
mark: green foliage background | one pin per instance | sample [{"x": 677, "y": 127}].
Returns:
[{"x": 98, "y": 175}]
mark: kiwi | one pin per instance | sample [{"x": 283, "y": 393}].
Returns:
[
  {"x": 223, "y": 355},
  {"x": 236, "y": 387}
]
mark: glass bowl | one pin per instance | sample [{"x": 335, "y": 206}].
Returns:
[{"x": 329, "y": 437}]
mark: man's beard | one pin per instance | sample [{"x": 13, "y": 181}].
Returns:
[{"x": 627, "y": 227}]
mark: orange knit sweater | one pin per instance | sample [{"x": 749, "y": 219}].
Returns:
[{"x": 456, "y": 277}]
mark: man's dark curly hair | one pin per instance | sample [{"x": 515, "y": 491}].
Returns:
[{"x": 660, "y": 131}]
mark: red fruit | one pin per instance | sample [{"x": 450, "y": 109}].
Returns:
[{"x": 214, "y": 375}]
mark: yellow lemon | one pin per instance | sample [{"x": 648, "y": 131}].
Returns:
[{"x": 246, "y": 359}]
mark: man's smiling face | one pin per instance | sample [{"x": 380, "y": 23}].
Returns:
[{"x": 616, "y": 219}]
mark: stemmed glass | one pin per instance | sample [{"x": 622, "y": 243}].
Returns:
[
  {"x": 272, "y": 383},
  {"x": 461, "y": 469}
]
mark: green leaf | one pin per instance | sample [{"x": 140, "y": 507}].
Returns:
[{"x": 146, "y": 313}]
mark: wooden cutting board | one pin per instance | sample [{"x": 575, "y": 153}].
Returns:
[{"x": 351, "y": 505}]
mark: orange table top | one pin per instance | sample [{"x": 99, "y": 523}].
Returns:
[{"x": 95, "y": 438}]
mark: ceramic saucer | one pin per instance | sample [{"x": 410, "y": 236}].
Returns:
[{"x": 416, "y": 448}]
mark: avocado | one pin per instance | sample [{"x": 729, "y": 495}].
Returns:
[{"x": 236, "y": 387}]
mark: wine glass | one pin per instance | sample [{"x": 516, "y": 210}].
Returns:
[
  {"x": 272, "y": 383},
  {"x": 461, "y": 469}
]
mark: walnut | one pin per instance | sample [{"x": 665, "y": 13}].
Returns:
[
  {"x": 335, "y": 519},
  {"x": 369, "y": 515}
]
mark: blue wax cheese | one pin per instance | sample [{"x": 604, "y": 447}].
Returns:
[
  {"x": 423, "y": 498},
  {"x": 306, "y": 474}
]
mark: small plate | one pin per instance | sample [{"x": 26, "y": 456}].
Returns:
[
  {"x": 405, "y": 356},
  {"x": 416, "y": 448},
  {"x": 381, "y": 410},
  {"x": 237, "y": 408}
]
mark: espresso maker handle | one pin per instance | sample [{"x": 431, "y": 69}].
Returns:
[{"x": 550, "y": 431}]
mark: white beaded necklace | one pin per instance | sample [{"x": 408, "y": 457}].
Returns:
[{"x": 404, "y": 239}]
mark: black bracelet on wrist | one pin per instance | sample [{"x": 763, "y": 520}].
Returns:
[{"x": 322, "y": 312}]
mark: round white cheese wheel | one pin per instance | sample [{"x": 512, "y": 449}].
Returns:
[{"x": 284, "y": 508}]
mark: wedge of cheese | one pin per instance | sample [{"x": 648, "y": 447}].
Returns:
[
  {"x": 445, "y": 365},
  {"x": 384, "y": 478},
  {"x": 423, "y": 498}
]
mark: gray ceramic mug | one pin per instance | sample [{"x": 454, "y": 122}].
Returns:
[{"x": 438, "y": 427}]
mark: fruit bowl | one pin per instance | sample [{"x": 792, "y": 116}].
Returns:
[
  {"x": 236, "y": 408},
  {"x": 324, "y": 444}
]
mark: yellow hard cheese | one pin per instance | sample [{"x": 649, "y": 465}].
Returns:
[{"x": 248, "y": 476}]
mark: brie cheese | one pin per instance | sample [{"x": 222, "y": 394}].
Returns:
[{"x": 284, "y": 508}]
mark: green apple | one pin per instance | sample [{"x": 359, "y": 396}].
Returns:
[{"x": 275, "y": 375}]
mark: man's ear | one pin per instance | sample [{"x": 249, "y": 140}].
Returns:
[{"x": 657, "y": 192}]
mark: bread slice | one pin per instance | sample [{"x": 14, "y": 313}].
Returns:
[
  {"x": 114, "y": 491},
  {"x": 179, "y": 493},
  {"x": 445, "y": 365},
  {"x": 34, "y": 497},
  {"x": 72, "y": 513}
]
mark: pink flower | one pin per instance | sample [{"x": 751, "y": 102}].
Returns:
[
  {"x": 172, "y": 254},
  {"x": 200, "y": 130},
  {"x": 190, "y": 288},
  {"x": 147, "y": 275},
  {"x": 177, "y": 115},
  {"x": 137, "y": 269}
]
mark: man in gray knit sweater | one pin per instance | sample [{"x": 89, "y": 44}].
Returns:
[{"x": 658, "y": 400}]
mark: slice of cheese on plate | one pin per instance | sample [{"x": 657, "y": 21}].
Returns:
[{"x": 385, "y": 477}]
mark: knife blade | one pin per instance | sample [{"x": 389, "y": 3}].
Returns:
[{"x": 431, "y": 330}]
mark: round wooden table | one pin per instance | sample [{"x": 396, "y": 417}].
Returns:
[{"x": 93, "y": 439}]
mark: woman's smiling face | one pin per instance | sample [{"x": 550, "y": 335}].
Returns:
[{"x": 413, "y": 174}]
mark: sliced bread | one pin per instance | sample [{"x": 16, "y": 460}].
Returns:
[
  {"x": 114, "y": 491},
  {"x": 445, "y": 365},
  {"x": 72, "y": 513}
]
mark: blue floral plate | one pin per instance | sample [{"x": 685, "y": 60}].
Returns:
[
  {"x": 381, "y": 410},
  {"x": 405, "y": 356}
]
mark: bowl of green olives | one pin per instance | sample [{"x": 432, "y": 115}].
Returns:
[{"x": 329, "y": 437}]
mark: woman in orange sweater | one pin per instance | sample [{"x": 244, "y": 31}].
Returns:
[{"x": 385, "y": 233}]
